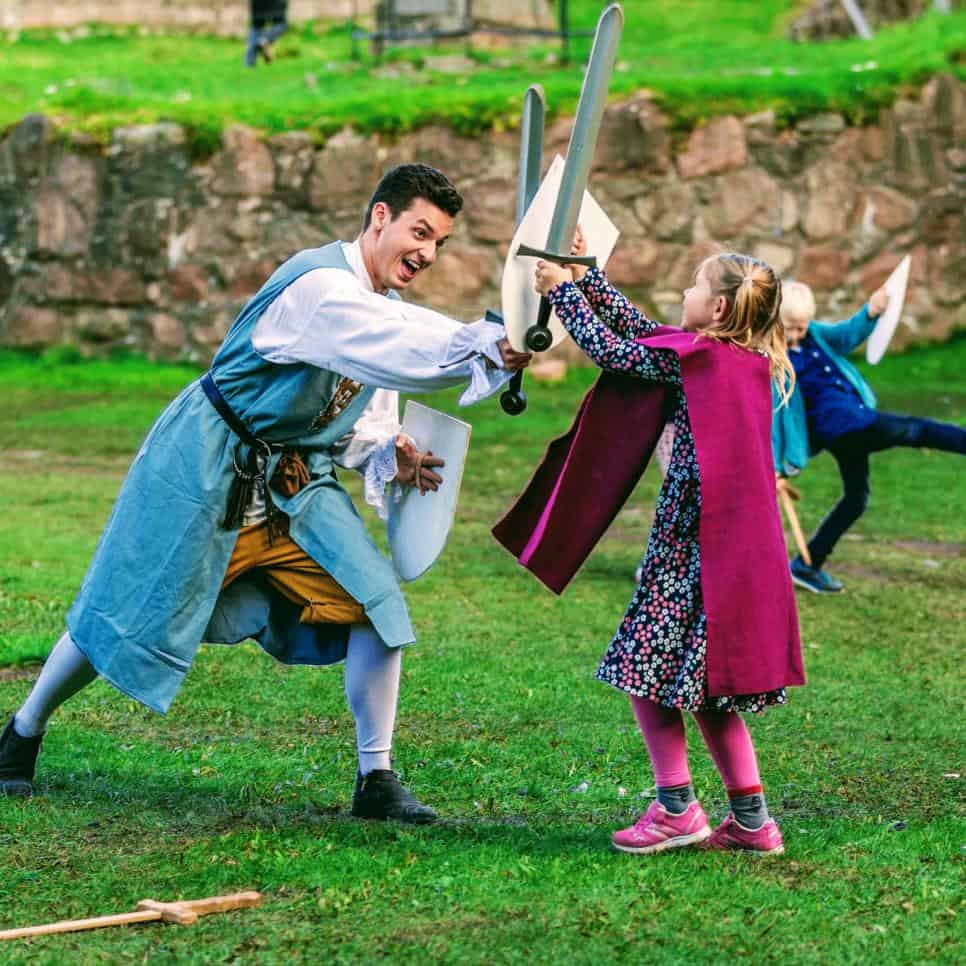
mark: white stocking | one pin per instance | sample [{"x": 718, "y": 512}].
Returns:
[
  {"x": 65, "y": 672},
  {"x": 372, "y": 687}
]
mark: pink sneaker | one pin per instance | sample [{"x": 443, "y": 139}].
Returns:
[
  {"x": 732, "y": 835},
  {"x": 657, "y": 829}
]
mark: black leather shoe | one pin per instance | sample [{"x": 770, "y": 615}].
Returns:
[
  {"x": 18, "y": 760},
  {"x": 381, "y": 795}
]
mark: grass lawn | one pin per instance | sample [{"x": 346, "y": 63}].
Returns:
[
  {"x": 245, "y": 784},
  {"x": 699, "y": 57}
]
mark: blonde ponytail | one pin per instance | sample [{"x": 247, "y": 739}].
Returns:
[{"x": 753, "y": 321}]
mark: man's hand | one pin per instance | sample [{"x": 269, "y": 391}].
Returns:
[
  {"x": 549, "y": 275},
  {"x": 878, "y": 302},
  {"x": 513, "y": 360},
  {"x": 414, "y": 468}
]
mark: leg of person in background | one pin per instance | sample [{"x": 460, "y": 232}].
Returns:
[
  {"x": 257, "y": 24},
  {"x": 65, "y": 672},
  {"x": 372, "y": 673},
  {"x": 275, "y": 24},
  {"x": 852, "y": 456},
  {"x": 748, "y": 826},
  {"x": 675, "y": 818},
  {"x": 274, "y": 31},
  {"x": 891, "y": 430},
  {"x": 851, "y": 451},
  {"x": 251, "y": 48}
]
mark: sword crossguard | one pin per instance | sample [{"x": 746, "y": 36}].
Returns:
[{"x": 588, "y": 261}]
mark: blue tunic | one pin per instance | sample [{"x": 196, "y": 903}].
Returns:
[{"x": 153, "y": 592}]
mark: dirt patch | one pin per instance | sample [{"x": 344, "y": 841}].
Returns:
[
  {"x": 18, "y": 672},
  {"x": 934, "y": 549},
  {"x": 866, "y": 573}
]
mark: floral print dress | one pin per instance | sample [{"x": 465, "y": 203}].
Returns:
[{"x": 660, "y": 649}]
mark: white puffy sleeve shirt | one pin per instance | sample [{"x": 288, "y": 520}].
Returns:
[{"x": 333, "y": 319}]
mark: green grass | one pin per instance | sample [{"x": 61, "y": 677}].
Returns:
[
  {"x": 245, "y": 783},
  {"x": 699, "y": 58}
]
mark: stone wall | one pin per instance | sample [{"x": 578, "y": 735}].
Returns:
[
  {"x": 135, "y": 245},
  {"x": 216, "y": 16},
  {"x": 231, "y": 16},
  {"x": 827, "y": 19}
]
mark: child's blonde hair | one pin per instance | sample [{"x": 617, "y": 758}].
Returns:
[
  {"x": 754, "y": 294},
  {"x": 798, "y": 302}
]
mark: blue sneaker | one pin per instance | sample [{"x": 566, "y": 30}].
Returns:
[{"x": 813, "y": 579}]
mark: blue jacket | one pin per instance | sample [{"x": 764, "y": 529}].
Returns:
[
  {"x": 789, "y": 428},
  {"x": 153, "y": 590}
]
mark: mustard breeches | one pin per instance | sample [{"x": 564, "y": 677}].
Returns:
[{"x": 294, "y": 574}]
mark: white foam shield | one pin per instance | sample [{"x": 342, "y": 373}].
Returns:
[
  {"x": 882, "y": 334},
  {"x": 419, "y": 524},
  {"x": 520, "y": 300}
]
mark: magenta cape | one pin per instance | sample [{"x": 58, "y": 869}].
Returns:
[{"x": 587, "y": 475}]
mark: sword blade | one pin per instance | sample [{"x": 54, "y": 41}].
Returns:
[
  {"x": 590, "y": 111},
  {"x": 78, "y": 925},
  {"x": 531, "y": 149}
]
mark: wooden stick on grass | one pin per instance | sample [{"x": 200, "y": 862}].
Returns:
[
  {"x": 184, "y": 913},
  {"x": 786, "y": 494}
]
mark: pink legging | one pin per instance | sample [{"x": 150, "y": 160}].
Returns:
[{"x": 724, "y": 733}]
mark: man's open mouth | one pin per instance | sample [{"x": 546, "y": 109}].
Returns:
[{"x": 410, "y": 268}]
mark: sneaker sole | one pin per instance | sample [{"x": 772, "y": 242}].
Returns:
[
  {"x": 758, "y": 853},
  {"x": 798, "y": 582},
  {"x": 779, "y": 851},
  {"x": 679, "y": 841}
]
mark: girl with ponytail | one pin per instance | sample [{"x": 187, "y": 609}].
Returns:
[{"x": 711, "y": 628}]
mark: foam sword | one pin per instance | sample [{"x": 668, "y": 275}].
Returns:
[
  {"x": 580, "y": 152},
  {"x": 513, "y": 399}
]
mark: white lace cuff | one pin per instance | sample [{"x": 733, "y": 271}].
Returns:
[
  {"x": 381, "y": 469},
  {"x": 474, "y": 338},
  {"x": 484, "y": 381},
  {"x": 470, "y": 348}
]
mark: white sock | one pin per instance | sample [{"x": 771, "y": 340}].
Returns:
[
  {"x": 65, "y": 672},
  {"x": 372, "y": 687}
]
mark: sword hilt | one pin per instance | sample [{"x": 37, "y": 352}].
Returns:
[
  {"x": 513, "y": 400},
  {"x": 538, "y": 337}
]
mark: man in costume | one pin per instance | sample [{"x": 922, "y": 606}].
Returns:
[{"x": 232, "y": 523}]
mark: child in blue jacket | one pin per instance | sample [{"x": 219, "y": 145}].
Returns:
[{"x": 833, "y": 408}]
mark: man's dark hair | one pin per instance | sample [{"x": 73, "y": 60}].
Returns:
[{"x": 402, "y": 185}]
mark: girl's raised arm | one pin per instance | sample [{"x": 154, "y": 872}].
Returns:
[
  {"x": 607, "y": 349},
  {"x": 613, "y": 307}
]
